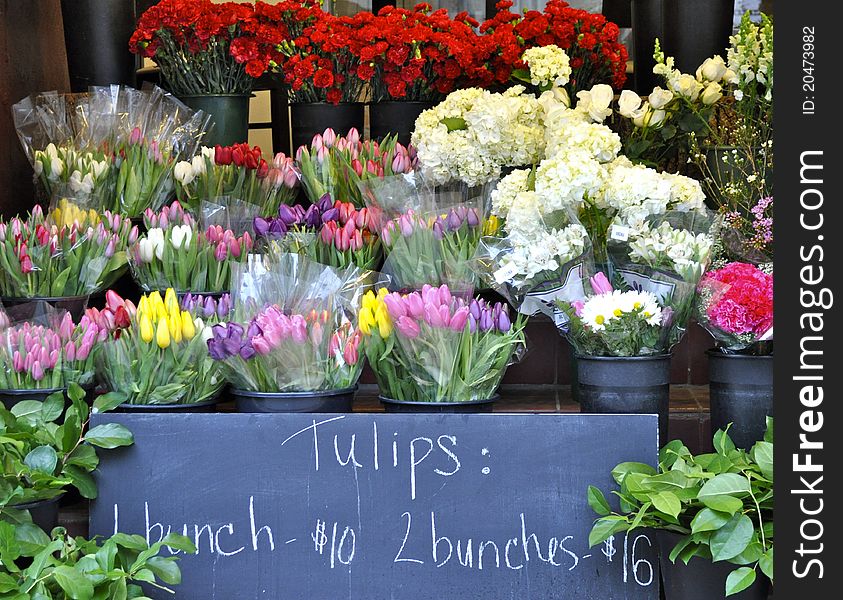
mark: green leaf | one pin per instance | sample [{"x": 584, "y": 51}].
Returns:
[
  {"x": 144, "y": 575},
  {"x": 606, "y": 527},
  {"x": 43, "y": 459},
  {"x": 70, "y": 430},
  {"x": 708, "y": 520},
  {"x": 117, "y": 590},
  {"x": 597, "y": 501},
  {"x": 75, "y": 392},
  {"x": 762, "y": 454},
  {"x": 107, "y": 402},
  {"x": 766, "y": 563},
  {"x": 620, "y": 472},
  {"x": 731, "y": 539},
  {"x": 739, "y": 579},
  {"x": 84, "y": 456},
  {"x": 7, "y": 583},
  {"x": 723, "y": 443},
  {"x": 53, "y": 407},
  {"x": 719, "y": 492},
  {"x": 454, "y": 124},
  {"x": 130, "y": 542},
  {"x": 679, "y": 548},
  {"x": 82, "y": 480},
  {"x": 667, "y": 502},
  {"x": 179, "y": 542},
  {"x": 31, "y": 538},
  {"x": 28, "y": 409},
  {"x": 165, "y": 569},
  {"x": 74, "y": 583},
  {"x": 768, "y": 435},
  {"x": 109, "y": 435}
]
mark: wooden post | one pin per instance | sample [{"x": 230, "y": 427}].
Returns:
[{"x": 32, "y": 60}]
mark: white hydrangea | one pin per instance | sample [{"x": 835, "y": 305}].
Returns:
[
  {"x": 636, "y": 192},
  {"x": 568, "y": 131},
  {"x": 602, "y": 309},
  {"x": 507, "y": 190},
  {"x": 524, "y": 219},
  {"x": 549, "y": 65},
  {"x": 686, "y": 194},
  {"x": 567, "y": 179},
  {"x": 677, "y": 249},
  {"x": 489, "y": 131}
]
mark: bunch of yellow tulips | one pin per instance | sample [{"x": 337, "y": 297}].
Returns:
[
  {"x": 163, "y": 320},
  {"x": 66, "y": 213},
  {"x": 162, "y": 357},
  {"x": 374, "y": 315}
]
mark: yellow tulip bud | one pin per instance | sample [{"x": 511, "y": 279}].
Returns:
[
  {"x": 162, "y": 334},
  {"x": 382, "y": 293},
  {"x": 492, "y": 225},
  {"x": 174, "y": 325},
  {"x": 369, "y": 300},
  {"x": 188, "y": 328},
  {"x": 171, "y": 301},
  {"x": 146, "y": 330},
  {"x": 383, "y": 320},
  {"x": 366, "y": 320}
]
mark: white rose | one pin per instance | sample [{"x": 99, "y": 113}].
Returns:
[
  {"x": 730, "y": 77},
  {"x": 628, "y": 103},
  {"x": 596, "y": 102},
  {"x": 657, "y": 118},
  {"x": 181, "y": 236},
  {"x": 688, "y": 87},
  {"x": 659, "y": 98},
  {"x": 713, "y": 69},
  {"x": 183, "y": 172},
  {"x": 640, "y": 118},
  {"x": 155, "y": 237},
  {"x": 712, "y": 93}
]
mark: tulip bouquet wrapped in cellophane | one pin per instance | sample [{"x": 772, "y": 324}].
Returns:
[
  {"x": 161, "y": 357},
  {"x": 148, "y": 131},
  {"x": 536, "y": 259},
  {"x": 667, "y": 257},
  {"x": 175, "y": 253},
  {"x": 614, "y": 322},
  {"x": 238, "y": 171},
  {"x": 40, "y": 258},
  {"x": 297, "y": 327},
  {"x": 338, "y": 165},
  {"x": 432, "y": 346},
  {"x": 42, "y": 348},
  {"x": 430, "y": 234},
  {"x": 330, "y": 232},
  {"x": 735, "y": 305}
]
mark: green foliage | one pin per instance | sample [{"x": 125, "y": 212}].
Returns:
[
  {"x": 35, "y": 566},
  {"x": 40, "y": 457},
  {"x": 721, "y": 503}
]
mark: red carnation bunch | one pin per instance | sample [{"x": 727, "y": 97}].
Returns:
[
  {"x": 417, "y": 55},
  {"x": 590, "y": 41},
  {"x": 321, "y": 58},
  {"x": 206, "y": 48},
  {"x": 736, "y": 305}
]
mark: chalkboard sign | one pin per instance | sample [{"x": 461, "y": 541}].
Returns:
[{"x": 381, "y": 506}]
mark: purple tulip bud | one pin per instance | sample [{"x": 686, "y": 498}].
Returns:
[
  {"x": 332, "y": 214},
  {"x": 261, "y": 226},
  {"x": 287, "y": 214},
  {"x": 313, "y": 216},
  {"x": 454, "y": 222},
  {"x": 37, "y": 371},
  {"x": 474, "y": 309},
  {"x": 406, "y": 225},
  {"x": 133, "y": 235},
  {"x": 208, "y": 308},
  {"x": 503, "y": 323},
  {"x": 110, "y": 248},
  {"x": 473, "y": 217},
  {"x": 247, "y": 351},
  {"x": 325, "y": 203},
  {"x": 277, "y": 227},
  {"x": 224, "y": 305},
  {"x": 438, "y": 230},
  {"x": 486, "y": 321}
]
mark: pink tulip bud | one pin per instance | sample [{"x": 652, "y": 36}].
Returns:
[
  {"x": 69, "y": 352},
  {"x": 221, "y": 252},
  {"x": 329, "y": 137},
  {"x": 357, "y": 240},
  {"x": 18, "y": 362},
  {"x": 600, "y": 284},
  {"x": 111, "y": 247},
  {"x": 578, "y": 306},
  {"x": 234, "y": 247},
  {"x": 357, "y": 166},
  {"x": 37, "y": 371},
  {"x": 408, "y": 327},
  {"x": 459, "y": 319},
  {"x": 136, "y": 136},
  {"x": 350, "y": 354},
  {"x": 66, "y": 327},
  {"x": 133, "y": 235},
  {"x": 84, "y": 351}
]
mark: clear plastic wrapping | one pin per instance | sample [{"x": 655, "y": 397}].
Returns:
[
  {"x": 433, "y": 346},
  {"x": 295, "y": 326},
  {"x": 429, "y": 233}
]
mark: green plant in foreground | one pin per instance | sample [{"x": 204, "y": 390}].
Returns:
[
  {"x": 63, "y": 567},
  {"x": 721, "y": 503},
  {"x": 40, "y": 458}
]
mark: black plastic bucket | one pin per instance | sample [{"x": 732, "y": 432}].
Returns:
[
  {"x": 701, "y": 579},
  {"x": 44, "y": 513},
  {"x": 328, "y": 401},
  {"x": 395, "y": 117},
  {"x": 391, "y": 405},
  {"x": 625, "y": 385},
  {"x": 12, "y": 397},
  {"x": 207, "y": 406},
  {"x": 741, "y": 393}
]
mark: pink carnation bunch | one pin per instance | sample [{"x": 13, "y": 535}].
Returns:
[{"x": 736, "y": 304}]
